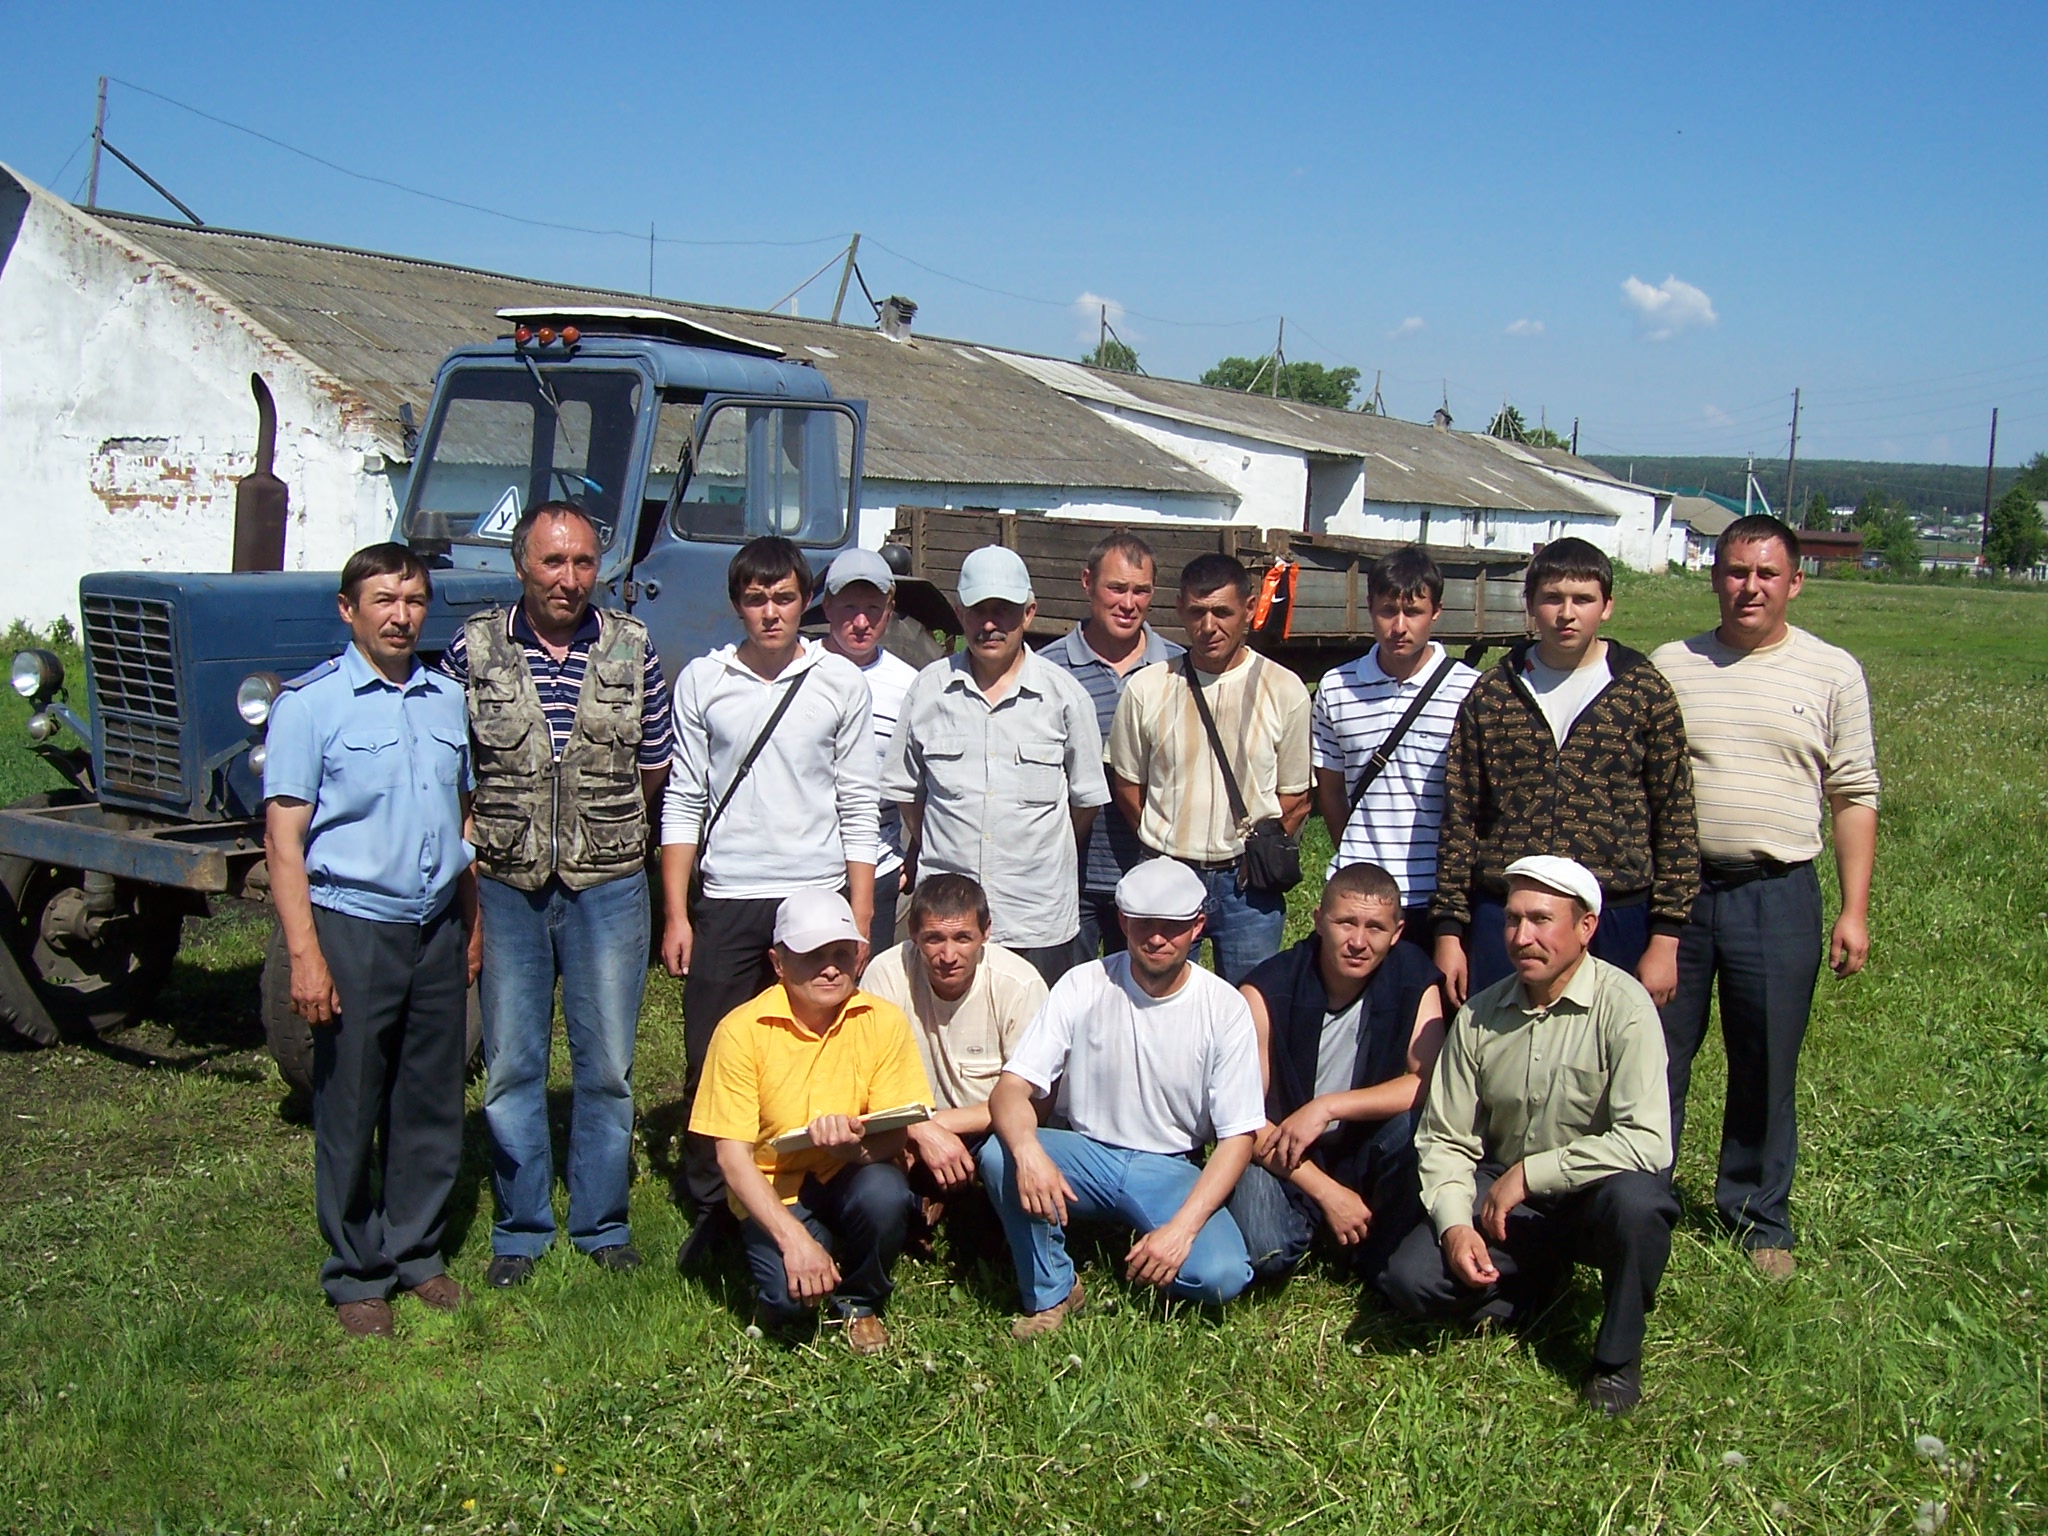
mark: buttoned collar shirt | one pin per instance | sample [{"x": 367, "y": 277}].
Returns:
[
  {"x": 997, "y": 781},
  {"x": 1113, "y": 846},
  {"x": 384, "y": 767},
  {"x": 1573, "y": 1092}
]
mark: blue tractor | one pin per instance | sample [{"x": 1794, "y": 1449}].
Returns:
[{"x": 680, "y": 441}]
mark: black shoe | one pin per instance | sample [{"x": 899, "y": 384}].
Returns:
[
  {"x": 619, "y": 1258},
  {"x": 715, "y": 1226},
  {"x": 1614, "y": 1392},
  {"x": 508, "y": 1270}
]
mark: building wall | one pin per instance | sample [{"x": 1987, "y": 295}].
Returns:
[
  {"x": 1272, "y": 481},
  {"x": 126, "y": 417},
  {"x": 1471, "y": 527},
  {"x": 879, "y": 500},
  {"x": 1642, "y": 531}
]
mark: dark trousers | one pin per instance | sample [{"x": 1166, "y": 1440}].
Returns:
[
  {"x": 882, "y": 931},
  {"x": 1621, "y": 938},
  {"x": 1100, "y": 931},
  {"x": 387, "y": 1099},
  {"x": 1281, "y": 1223},
  {"x": 1051, "y": 961},
  {"x": 728, "y": 965},
  {"x": 1762, "y": 941},
  {"x": 1416, "y": 930},
  {"x": 860, "y": 1217},
  {"x": 1621, "y": 1226}
]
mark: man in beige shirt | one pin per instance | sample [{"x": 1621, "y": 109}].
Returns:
[
  {"x": 1545, "y": 1137},
  {"x": 968, "y": 1002},
  {"x": 1164, "y": 775},
  {"x": 1778, "y": 726}
]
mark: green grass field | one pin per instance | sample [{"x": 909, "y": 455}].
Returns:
[{"x": 167, "y": 1362}]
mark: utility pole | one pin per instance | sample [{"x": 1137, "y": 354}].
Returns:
[
  {"x": 1101, "y": 334},
  {"x": 1792, "y": 455},
  {"x": 846, "y": 275},
  {"x": 1575, "y": 441},
  {"x": 1279, "y": 355},
  {"x": 650, "y": 258},
  {"x": 1990, "y": 464},
  {"x": 99, "y": 134}
]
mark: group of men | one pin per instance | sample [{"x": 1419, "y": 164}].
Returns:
[{"x": 1460, "y": 1082}]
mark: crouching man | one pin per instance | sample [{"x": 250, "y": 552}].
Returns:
[
  {"x": 968, "y": 1002},
  {"x": 1158, "y": 1057},
  {"x": 1350, "y": 1022},
  {"x": 822, "y": 1225},
  {"x": 1544, "y": 1137}
]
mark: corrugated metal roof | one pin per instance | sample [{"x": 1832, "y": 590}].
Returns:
[
  {"x": 1405, "y": 463},
  {"x": 943, "y": 412},
  {"x": 1702, "y": 514}
]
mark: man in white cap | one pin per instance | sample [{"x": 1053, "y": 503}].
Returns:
[
  {"x": 1154, "y": 1058},
  {"x": 1545, "y": 1137},
  {"x": 813, "y": 1052},
  {"x": 859, "y": 601},
  {"x": 997, "y": 765}
]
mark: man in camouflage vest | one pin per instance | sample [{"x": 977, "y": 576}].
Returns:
[{"x": 569, "y": 717}]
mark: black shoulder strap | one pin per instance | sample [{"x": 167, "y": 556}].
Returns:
[
  {"x": 1384, "y": 752},
  {"x": 1237, "y": 809},
  {"x": 753, "y": 752}
]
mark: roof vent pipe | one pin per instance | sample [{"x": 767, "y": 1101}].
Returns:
[{"x": 897, "y": 313}]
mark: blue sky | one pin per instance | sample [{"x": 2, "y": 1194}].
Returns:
[{"x": 1656, "y": 219}]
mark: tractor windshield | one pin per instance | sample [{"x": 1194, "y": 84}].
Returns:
[{"x": 508, "y": 438}]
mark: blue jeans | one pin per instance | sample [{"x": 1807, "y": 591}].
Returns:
[
  {"x": 1141, "y": 1190},
  {"x": 1243, "y": 927},
  {"x": 1280, "y": 1222},
  {"x": 596, "y": 942},
  {"x": 860, "y": 1216}
]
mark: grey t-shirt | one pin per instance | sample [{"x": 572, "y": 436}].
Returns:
[{"x": 1337, "y": 1052}]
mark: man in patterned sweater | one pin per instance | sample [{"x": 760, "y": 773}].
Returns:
[{"x": 1571, "y": 745}]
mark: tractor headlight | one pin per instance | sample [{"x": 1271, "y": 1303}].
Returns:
[
  {"x": 36, "y": 674},
  {"x": 253, "y": 699},
  {"x": 258, "y": 756}
]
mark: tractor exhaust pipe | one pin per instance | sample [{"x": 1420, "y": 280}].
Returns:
[{"x": 262, "y": 502}]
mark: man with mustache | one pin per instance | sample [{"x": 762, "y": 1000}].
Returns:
[{"x": 365, "y": 789}]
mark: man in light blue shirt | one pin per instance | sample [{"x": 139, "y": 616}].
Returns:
[{"x": 366, "y": 785}]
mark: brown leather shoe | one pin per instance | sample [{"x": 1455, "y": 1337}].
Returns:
[
  {"x": 442, "y": 1292},
  {"x": 1035, "y": 1324},
  {"x": 1773, "y": 1263},
  {"x": 370, "y": 1319},
  {"x": 865, "y": 1334}
]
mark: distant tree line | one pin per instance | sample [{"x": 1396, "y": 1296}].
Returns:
[{"x": 1923, "y": 489}]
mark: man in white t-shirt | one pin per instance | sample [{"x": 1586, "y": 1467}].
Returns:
[
  {"x": 859, "y": 601},
  {"x": 1154, "y": 1058},
  {"x": 968, "y": 1002}
]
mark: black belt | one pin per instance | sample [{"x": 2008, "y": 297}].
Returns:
[
  {"x": 1728, "y": 876},
  {"x": 1205, "y": 864}
]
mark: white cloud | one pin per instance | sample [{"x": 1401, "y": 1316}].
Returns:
[
  {"x": 1716, "y": 417},
  {"x": 1407, "y": 327},
  {"x": 1088, "y": 313},
  {"x": 1668, "y": 308},
  {"x": 1526, "y": 328}
]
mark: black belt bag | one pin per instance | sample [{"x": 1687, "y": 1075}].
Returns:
[{"x": 1272, "y": 855}]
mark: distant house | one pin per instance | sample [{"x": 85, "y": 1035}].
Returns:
[
  {"x": 1698, "y": 520},
  {"x": 1824, "y": 549}
]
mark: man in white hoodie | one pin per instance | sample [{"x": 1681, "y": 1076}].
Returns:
[{"x": 773, "y": 792}]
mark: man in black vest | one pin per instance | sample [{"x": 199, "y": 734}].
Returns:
[
  {"x": 570, "y": 720},
  {"x": 1349, "y": 1024}
]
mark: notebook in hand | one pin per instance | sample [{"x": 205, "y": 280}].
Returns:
[{"x": 879, "y": 1123}]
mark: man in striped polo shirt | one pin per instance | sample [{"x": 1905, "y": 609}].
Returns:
[
  {"x": 570, "y": 717},
  {"x": 1778, "y": 725},
  {"x": 1395, "y": 823}
]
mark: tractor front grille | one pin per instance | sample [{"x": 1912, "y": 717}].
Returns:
[{"x": 131, "y": 644}]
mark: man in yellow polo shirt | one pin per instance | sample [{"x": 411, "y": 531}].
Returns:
[{"x": 814, "y": 1053}]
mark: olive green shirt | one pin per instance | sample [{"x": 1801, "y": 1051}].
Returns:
[{"x": 1573, "y": 1092}]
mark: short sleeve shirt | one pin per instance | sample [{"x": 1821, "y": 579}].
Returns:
[
  {"x": 1152, "y": 1074},
  {"x": 384, "y": 768},
  {"x": 964, "y": 1043},
  {"x": 1113, "y": 847},
  {"x": 560, "y": 685}
]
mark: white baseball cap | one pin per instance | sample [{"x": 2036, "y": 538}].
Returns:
[
  {"x": 993, "y": 571},
  {"x": 1567, "y": 877},
  {"x": 860, "y": 565},
  {"x": 810, "y": 920},
  {"x": 1162, "y": 888}
]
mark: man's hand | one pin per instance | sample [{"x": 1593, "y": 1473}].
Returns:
[
  {"x": 476, "y": 948},
  {"x": 1042, "y": 1189},
  {"x": 1347, "y": 1215},
  {"x": 1293, "y": 1136},
  {"x": 944, "y": 1153},
  {"x": 677, "y": 941},
  {"x": 1156, "y": 1258},
  {"x": 1508, "y": 1191},
  {"x": 1849, "y": 946},
  {"x": 1465, "y": 1256},
  {"x": 839, "y": 1135},
  {"x": 812, "y": 1274},
  {"x": 313, "y": 996},
  {"x": 1450, "y": 959},
  {"x": 1658, "y": 969}
]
